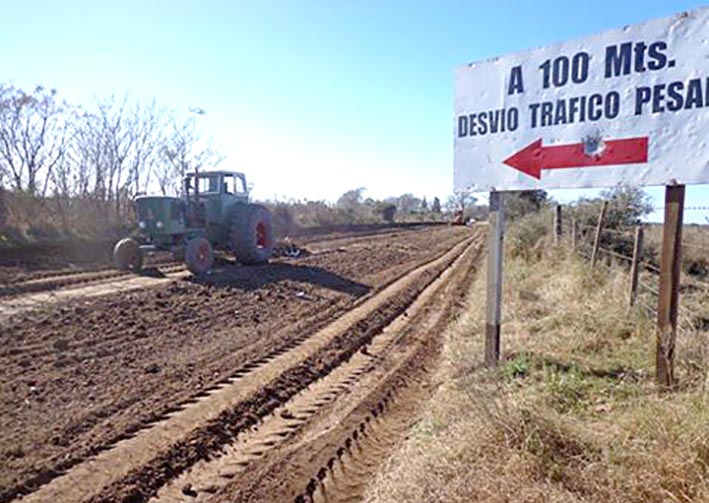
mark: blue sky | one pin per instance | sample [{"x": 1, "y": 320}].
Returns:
[{"x": 309, "y": 98}]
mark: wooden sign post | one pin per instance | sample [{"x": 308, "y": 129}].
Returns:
[
  {"x": 669, "y": 287},
  {"x": 494, "y": 278}
]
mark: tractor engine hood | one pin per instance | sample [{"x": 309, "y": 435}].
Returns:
[{"x": 160, "y": 214}]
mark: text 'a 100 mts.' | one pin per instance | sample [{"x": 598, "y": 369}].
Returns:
[{"x": 619, "y": 60}]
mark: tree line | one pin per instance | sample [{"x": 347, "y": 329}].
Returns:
[
  {"x": 354, "y": 202},
  {"x": 105, "y": 151}
]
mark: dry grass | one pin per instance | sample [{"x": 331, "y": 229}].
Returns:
[
  {"x": 290, "y": 216},
  {"x": 695, "y": 252},
  {"x": 26, "y": 219},
  {"x": 572, "y": 413}
]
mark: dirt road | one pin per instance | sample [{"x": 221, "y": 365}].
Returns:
[{"x": 117, "y": 397}]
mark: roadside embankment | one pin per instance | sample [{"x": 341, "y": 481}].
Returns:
[{"x": 572, "y": 413}]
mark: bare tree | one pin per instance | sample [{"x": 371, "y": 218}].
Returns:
[
  {"x": 460, "y": 201},
  {"x": 32, "y": 137},
  {"x": 116, "y": 147},
  {"x": 131, "y": 137},
  {"x": 351, "y": 200},
  {"x": 183, "y": 151},
  {"x": 81, "y": 175},
  {"x": 149, "y": 126},
  {"x": 102, "y": 154},
  {"x": 407, "y": 204},
  {"x": 3, "y": 209}
]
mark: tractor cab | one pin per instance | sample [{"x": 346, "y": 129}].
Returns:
[
  {"x": 210, "y": 184},
  {"x": 210, "y": 197}
]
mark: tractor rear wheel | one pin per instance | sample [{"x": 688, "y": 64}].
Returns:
[
  {"x": 251, "y": 234},
  {"x": 198, "y": 255},
  {"x": 127, "y": 255}
]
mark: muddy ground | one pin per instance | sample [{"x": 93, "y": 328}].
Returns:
[
  {"x": 40, "y": 259},
  {"x": 333, "y": 457},
  {"x": 77, "y": 376}
]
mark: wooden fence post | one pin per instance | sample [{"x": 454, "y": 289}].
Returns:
[
  {"x": 635, "y": 265},
  {"x": 669, "y": 287},
  {"x": 573, "y": 234},
  {"x": 557, "y": 225},
  {"x": 597, "y": 239},
  {"x": 494, "y": 278}
]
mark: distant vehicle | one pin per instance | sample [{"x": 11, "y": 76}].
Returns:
[
  {"x": 213, "y": 213},
  {"x": 458, "y": 218}
]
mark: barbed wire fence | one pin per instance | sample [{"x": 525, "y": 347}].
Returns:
[{"x": 606, "y": 247}]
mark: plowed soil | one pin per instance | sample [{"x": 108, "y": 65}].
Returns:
[
  {"x": 325, "y": 443},
  {"x": 75, "y": 377}
]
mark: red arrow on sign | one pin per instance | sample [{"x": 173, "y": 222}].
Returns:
[{"x": 534, "y": 158}]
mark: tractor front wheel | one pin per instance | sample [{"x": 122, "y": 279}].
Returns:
[
  {"x": 127, "y": 255},
  {"x": 198, "y": 255}
]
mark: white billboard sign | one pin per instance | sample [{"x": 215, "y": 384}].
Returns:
[{"x": 628, "y": 106}]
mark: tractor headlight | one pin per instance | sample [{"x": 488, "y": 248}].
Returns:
[
  {"x": 141, "y": 224},
  {"x": 159, "y": 225}
]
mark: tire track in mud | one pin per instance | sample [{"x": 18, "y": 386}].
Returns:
[
  {"x": 54, "y": 292},
  {"x": 52, "y": 287},
  {"x": 40, "y": 281},
  {"x": 373, "y": 379},
  {"x": 277, "y": 427},
  {"x": 334, "y": 457},
  {"x": 84, "y": 422},
  {"x": 137, "y": 466},
  {"x": 324, "y": 317},
  {"x": 44, "y": 281},
  {"x": 40, "y": 349},
  {"x": 391, "y": 412}
]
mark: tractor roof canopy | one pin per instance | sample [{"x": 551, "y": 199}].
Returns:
[
  {"x": 215, "y": 172},
  {"x": 216, "y": 182}
]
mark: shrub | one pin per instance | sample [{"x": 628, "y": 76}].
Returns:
[{"x": 524, "y": 239}]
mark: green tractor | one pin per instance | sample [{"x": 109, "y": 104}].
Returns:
[{"x": 213, "y": 213}]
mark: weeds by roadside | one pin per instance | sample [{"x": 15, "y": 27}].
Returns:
[{"x": 572, "y": 413}]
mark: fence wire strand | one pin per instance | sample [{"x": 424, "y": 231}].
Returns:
[
  {"x": 585, "y": 240},
  {"x": 648, "y": 288},
  {"x": 615, "y": 254},
  {"x": 619, "y": 232},
  {"x": 650, "y": 266}
]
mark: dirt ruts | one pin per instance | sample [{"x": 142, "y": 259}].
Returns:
[
  {"x": 332, "y": 458},
  {"x": 80, "y": 376}
]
